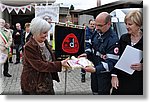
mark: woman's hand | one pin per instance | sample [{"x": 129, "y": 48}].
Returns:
[
  {"x": 65, "y": 64},
  {"x": 137, "y": 66},
  {"x": 115, "y": 82}
]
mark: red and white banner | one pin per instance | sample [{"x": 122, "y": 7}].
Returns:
[
  {"x": 23, "y": 9},
  {"x": 15, "y": 8},
  {"x": 2, "y": 7},
  {"x": 68, "y": 41},
  {"x": 9, "y": 9}
]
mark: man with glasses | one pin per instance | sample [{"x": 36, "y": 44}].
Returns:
[{"x": 103, "y": 52}]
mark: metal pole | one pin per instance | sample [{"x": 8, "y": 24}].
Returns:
[
  {"x": 66, "y": 71},
  {"x": 65, "y": 91}
]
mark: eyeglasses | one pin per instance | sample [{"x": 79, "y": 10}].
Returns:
[
  {"x": 100, "y": 25},
  {"x": 92, "y": 24}
]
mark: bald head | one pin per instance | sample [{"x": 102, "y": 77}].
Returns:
[
  {"x": 103, "y": 16},
  {"x": 2, "y": 23},
  {"x": 18, "y": 26},
  {"x": 103, "y": 22},
  {"x": 2, "y": 20}
]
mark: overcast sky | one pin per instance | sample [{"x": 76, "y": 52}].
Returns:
[{"x": 82, "y": 4}]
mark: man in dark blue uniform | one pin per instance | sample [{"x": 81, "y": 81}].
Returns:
[
  {"x": 89, "y": 31},
  {"x": 103, "y": 52}
]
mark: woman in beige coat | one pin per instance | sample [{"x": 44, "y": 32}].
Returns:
[{"x": 5, "y": 43}]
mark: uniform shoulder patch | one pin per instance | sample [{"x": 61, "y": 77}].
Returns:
[{"x": 116, "y": 50}]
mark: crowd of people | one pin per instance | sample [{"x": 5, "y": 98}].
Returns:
[{"x": 102, "y": 47}]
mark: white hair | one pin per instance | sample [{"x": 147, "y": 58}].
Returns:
[
  {"x": 2, "y": 23},
  {"x": 2, "y": 20},
  {"x": 38, "y": 26}
]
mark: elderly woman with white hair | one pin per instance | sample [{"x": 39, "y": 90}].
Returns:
[{"x": 39, "y": 65}]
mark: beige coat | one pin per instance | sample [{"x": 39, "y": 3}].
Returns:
[{"x": 4, "y": 47}]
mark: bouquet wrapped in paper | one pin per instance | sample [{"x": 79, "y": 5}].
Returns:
[{"x": 79, "y": 62}]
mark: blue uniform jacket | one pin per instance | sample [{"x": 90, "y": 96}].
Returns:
[
  {"x": 88, "y": 33},
  {"x": 103, "y": 51}
]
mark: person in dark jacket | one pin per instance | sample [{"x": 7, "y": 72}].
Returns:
[
  {"x": 122, "y": 82},
  {"x": 103, "y": 52},
  {"x": 39, "y": 65},
  {"x": 88, "y": 34},
  {"x": 27, "y": 34},
  {"x": 18, "y": 41}
]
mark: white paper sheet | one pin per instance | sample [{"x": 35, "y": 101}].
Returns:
[{"x": 130, "y": 56}]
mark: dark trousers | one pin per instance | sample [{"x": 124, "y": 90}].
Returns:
[
  {"x": 101, "y": 83},
  {"x": 83, "y": 71},
  {"x": 17, "y": 52},
  {"x": 6, "y": 65}
]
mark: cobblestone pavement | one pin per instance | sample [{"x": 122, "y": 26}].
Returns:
[{"x": 74, "y": 86}]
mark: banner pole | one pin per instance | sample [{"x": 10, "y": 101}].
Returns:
[
  {"x": 65, "y": 91},
  {"x": 66, "y": 71}
]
